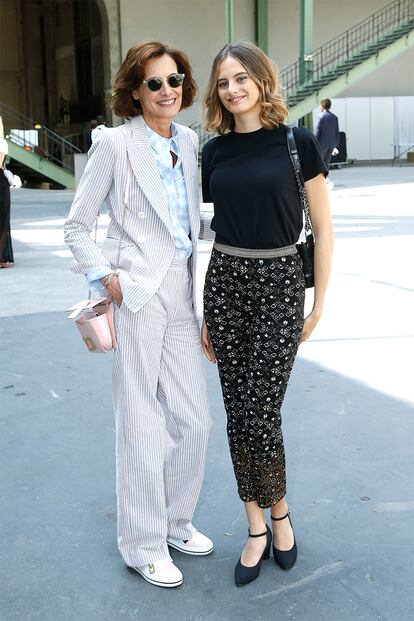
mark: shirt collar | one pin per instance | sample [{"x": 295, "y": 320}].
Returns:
[{"x": 159, "y": 143}]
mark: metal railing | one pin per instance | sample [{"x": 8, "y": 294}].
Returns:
[
  {"x": 37, "y": 138},
  {"x": 339, "y": 55},
  {"x": 203, "y": 136},
  {"x": 401, "y": 149},
  {"x": 77, "y": 140}
]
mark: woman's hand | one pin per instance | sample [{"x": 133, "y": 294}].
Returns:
[
  {"x": 320, "y": 216},
  {"x": 114, "y": 290},
  {"x": 206, "y": 344},
  {"x": 309, "y": 324}
]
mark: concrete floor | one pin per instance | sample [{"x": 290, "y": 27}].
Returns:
[{"x": 348, "y": 426}]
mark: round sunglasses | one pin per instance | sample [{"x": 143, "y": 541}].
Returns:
[{"x": 174, "y": 80}]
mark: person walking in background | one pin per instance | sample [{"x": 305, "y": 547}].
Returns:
[
  {"x": 158, "y": 359},
  {"x": 99, "y": 128},
  {"x": 6, "y": 249},
  {"x": 88, "y": 139},
  {"x": 254, "y": 289},
  {"x": 327, "y": 132}
]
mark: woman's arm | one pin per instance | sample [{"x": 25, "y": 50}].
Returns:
[
  {"x": 92, "y": 191},
  {"x": 206, "y": 215},
  {"x": 320, "y": 215}
]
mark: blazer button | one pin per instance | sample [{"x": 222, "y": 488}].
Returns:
[
  {"x": 141, "y": 215},
  {"x": 141, "y": 239}
]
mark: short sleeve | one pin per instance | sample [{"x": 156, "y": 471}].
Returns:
[
  {"x": 206, "y": 157},
  {"x": 309, "y": 153}
]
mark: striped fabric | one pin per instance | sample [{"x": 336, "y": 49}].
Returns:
[
  {"x": 158, "y": 360},
  {"x": 148, "y": 245},
  {"x": 159, "y": 352}
]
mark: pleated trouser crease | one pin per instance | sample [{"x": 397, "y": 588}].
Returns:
[{"x": 160, "y": 451}]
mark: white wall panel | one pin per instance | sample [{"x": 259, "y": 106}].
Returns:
[
  {"x": 381, "y": 127},
  {"x": 358, "y": 128}
]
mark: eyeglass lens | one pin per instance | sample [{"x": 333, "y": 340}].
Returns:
[{"x": 174, "y": 80}]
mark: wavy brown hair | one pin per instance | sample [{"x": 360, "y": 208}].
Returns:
[
  {"x": 132, "y": 72},
  {"x": 262, "y": 71}
]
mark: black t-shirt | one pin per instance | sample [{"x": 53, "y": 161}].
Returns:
[{"x": 249, "y": 177}]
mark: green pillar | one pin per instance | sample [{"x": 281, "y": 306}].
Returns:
[
  {"x": 306, "y": 45},
  {"x": 262, "y": 29},
  {"x": 306, "y": 36},
  {"x": 229, "y": 20}
]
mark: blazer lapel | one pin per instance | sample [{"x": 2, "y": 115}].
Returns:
[
  {"x": 190, "y": 177},
  {"x": 145, "y": 167}
]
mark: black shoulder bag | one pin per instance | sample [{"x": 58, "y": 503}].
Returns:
[{"x": 306, "y": 248}]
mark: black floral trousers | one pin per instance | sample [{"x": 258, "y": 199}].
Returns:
[{"x": 254, "y": 314}]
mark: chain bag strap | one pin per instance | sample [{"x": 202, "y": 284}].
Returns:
[
  {"x": 126, "y": 205},
  {"x": 306, "y": 248}
]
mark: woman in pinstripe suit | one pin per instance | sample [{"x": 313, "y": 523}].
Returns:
[{"x": 158, "y": 359}]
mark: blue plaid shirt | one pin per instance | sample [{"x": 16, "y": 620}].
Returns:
[{"x": 173, "y": 180}]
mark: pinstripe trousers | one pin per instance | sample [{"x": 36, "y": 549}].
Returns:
[{"x": 162, "y": 419}]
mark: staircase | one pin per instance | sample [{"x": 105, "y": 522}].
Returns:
[
  {"x": 347, "y": 58},
  {"x": 344, "y": 60},
  {"x": 37, "y": 153}
]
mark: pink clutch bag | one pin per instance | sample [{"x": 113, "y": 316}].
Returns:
[{"x": 95, "y": 321}]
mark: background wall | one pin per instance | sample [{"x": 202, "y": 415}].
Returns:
[
  {"x": 11, "y": 65},
  {"x": 37, "y": 71},
  {"x": 199, "y": 28}
]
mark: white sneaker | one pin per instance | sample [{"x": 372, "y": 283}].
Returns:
[
  {"x": 161, "y": 573},
  {"x": 197, "y": 545}
]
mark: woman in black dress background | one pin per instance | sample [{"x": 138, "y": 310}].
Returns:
[
  {"x": 254, "y": 292},
  {"x": 6, "y": 250}
]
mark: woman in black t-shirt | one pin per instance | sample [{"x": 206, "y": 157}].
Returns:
[{"x": 254, "y": 292}]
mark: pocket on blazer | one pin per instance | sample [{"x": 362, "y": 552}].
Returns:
[
  {"x": 111, "y": 242},
  {"x": 128, "y": 254}
]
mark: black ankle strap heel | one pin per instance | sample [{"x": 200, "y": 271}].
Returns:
[
  {"x": 243, "y": 575},
  {"x": 282, "y": 518},
  {"x": 285, "y": 558},
  {"x": 261, "y": 534}
]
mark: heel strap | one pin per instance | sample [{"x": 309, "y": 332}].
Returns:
[
  {"x": 261, "y": 534},
  {"x": 281, "y": 518}
]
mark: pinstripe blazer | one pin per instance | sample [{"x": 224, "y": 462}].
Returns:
[{"x": 147, "y": 247}]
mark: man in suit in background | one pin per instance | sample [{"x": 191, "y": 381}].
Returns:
[
  {"x": 327, "y": 132},
  {"x": 88, "y": 138}
]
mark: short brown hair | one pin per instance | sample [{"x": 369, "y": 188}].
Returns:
[
  {"x": 262, "y": 71},
  {"x": 132, "y": 71},
  {"x": 326, "y": 104}
]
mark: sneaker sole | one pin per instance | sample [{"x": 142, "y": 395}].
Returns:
[
  {"x": 165, "y": 585},
  {"x": 191, "y": 552}
]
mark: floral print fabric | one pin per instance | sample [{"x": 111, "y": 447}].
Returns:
[{"x": 254, "y": 314}]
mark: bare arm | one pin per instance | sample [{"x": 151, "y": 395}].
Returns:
[{"x": 319, "y": 209}]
